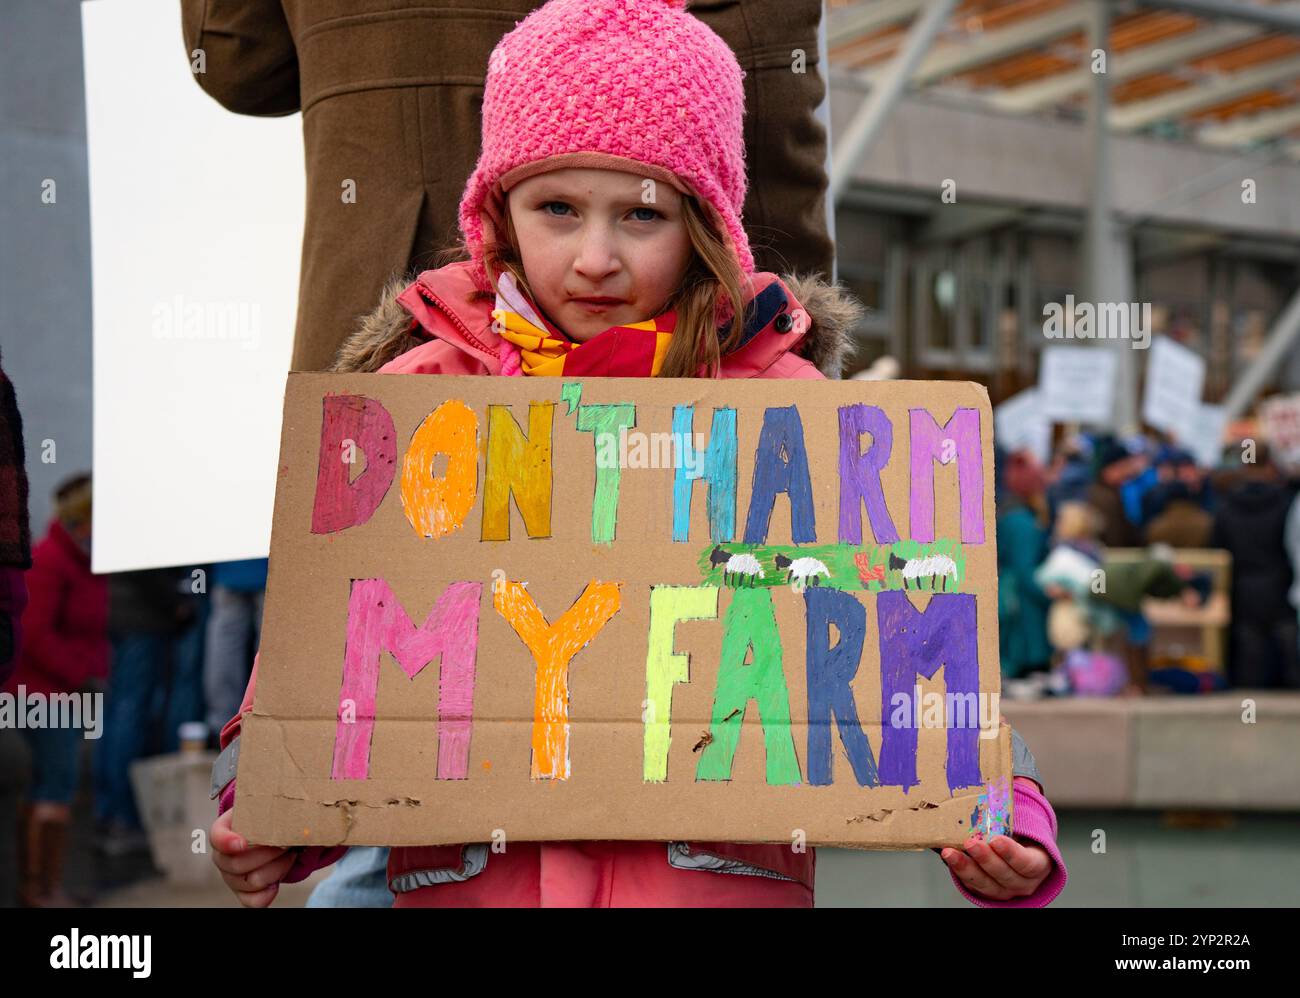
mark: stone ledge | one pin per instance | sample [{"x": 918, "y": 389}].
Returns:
[{"x": 1166, "y": 751}]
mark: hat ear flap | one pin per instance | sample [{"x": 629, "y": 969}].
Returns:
[{"x": 494, "y": 221}]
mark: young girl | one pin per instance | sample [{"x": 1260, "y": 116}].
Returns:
[{"x": 602, "y": 226}]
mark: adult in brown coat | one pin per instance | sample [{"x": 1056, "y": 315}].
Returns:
[{"x": 391, "y": 94}]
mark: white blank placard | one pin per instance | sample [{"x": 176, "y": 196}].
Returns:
[
  {"x": 1175, "y": 377},
  {"x": 1077, "y": 384},
  {"x": 196, "y": 221},
  {"x": 1019, "y": 424}
]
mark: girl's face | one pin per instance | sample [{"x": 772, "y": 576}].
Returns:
[{"x": 599, "y": 234}]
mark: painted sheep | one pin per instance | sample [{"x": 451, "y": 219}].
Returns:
[
  {"x": 802, "y": 571},
  {"x": 934, "y": 568},
  {"x": 743, "y": 565}
]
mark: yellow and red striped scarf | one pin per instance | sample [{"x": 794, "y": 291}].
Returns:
[{"x": 536, "y": 347}]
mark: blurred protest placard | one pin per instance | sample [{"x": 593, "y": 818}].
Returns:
[
  {"x": 1019, "y": 424},
  {"x": 1077, "y": 384},
  {"x": 1175, "y": 377}
]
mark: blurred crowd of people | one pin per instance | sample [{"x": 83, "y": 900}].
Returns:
[
  {"x": 160, "y": 650},
  {"x": 1085, "y": 541}
]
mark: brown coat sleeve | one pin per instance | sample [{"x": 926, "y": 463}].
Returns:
[
  {"x": 775, "y": 42},
  {"x": 250, "y": 64}
]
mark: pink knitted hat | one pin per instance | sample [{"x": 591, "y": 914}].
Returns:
[{"x": 634, "y": 85}]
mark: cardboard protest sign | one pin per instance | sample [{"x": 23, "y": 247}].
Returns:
[{"x": 629, "y": 609}]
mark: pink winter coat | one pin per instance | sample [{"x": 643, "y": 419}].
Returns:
[{"x": 436, "y": 325}]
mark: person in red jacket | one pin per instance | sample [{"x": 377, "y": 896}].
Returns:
[
  {"x": 604, "y": 238},
  {"x": 65, "y": 648}
]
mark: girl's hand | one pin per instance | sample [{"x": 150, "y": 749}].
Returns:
[
  {"x": 252, "y": 872},
  {"x": 1001, "y": 869}
]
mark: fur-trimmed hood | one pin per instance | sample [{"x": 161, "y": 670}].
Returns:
[{"x": 441, "y": 304}]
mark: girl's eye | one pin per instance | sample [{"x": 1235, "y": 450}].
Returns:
[
  {"x": 653, "y": 214},
  {"x": 547, "y": 205}
]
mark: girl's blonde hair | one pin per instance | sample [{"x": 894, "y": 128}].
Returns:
[{"x": 712, "y": 283}]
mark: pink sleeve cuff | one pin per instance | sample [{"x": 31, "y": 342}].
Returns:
[
  {"x": 310, "y": 858},
  {"x": 1033, "y": 819}
]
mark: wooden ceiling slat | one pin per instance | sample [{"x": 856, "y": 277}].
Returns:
[
  {"x": 1136, "y": 30},
  {"x": 1263, "y": 100},
  {"x": 1129, "y": 32},
  {"x": 1025, "y": 66},
  {"x": 1143, "y": 87},
  {"x": 1249, "y": 54},
  {"x": 972, "y": 16},
  {"x": 1013, "y": 72},
  {"x": 1002, "y": 15}
]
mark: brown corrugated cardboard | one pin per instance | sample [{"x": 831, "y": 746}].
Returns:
[{"x": 393, "y": 508}]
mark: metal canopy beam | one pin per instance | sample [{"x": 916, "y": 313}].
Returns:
[
  {"x": 1164, "y": 247},
  {"x": 1217, "y": 91},
  {"x": 1280, "y": 339},
  {"x": 849, "y": 25},
  {"x": 1123, "y": 66},
  {"x": 990, "y": 46},
  {"x": 1268, "y": 125},
  {"x": 1107, "y": 245},
  {"x": 953, "y": 222},
  {"x": 1278, "y": 18},
  {"x": 868, "y": 119}
]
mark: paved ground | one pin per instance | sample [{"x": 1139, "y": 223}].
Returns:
[
  {"x": 1116, "y": 859},
  {"x": 1149, "y": 860},
  {"x": 155, "y": 892}
]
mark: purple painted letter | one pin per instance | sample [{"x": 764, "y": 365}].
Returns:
[
  {"x": 860, "y": 473},
  {"x": 915, "y": 644},
  {"x": 960, "y": 438}
]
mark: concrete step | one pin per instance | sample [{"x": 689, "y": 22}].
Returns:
[{"x": 1237, "y": 750}]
